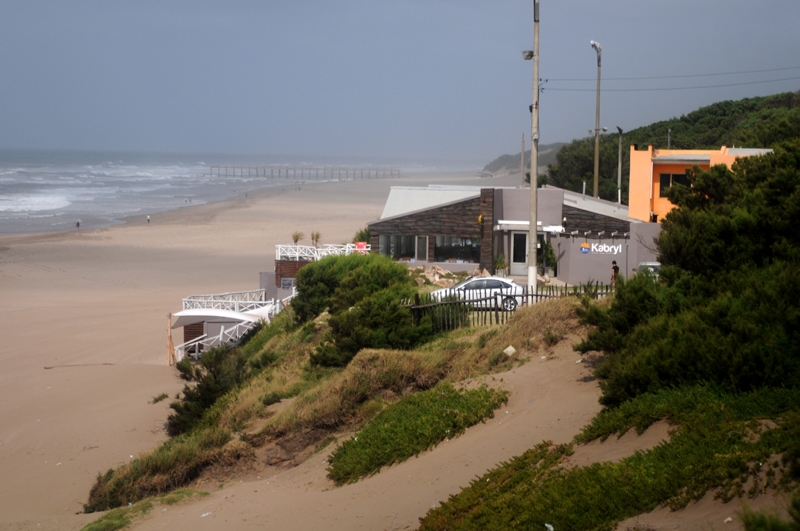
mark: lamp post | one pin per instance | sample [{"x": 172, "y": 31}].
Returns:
[
  {"x": 599, "y": 49},
  {"x": 533, "y": 233},
  {"x": 619, "y": 168}
]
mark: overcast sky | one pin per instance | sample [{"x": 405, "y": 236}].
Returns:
[{"x": 401, "y": 79}]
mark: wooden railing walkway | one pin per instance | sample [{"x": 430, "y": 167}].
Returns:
[{"x": 490, "y": 307}]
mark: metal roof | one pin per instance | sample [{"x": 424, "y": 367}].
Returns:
[
  {"x": 407, "y": 199},
  {"x": 748, "y": 152}
]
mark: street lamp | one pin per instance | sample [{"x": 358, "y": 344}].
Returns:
[
  {"x": 533, "y": 233},
  {"x": 619, "y": 168},
  {"x": 599, "y": 49}
]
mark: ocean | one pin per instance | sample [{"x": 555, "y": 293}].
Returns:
[{"x": 52, "y": 191}]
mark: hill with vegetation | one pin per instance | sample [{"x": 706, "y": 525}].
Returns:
[
  {"x": 760, "y": 122},
  {"x": 510, "y": 163}
]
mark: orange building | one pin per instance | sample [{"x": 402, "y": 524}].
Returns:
[{"x": 655, "y": 170}]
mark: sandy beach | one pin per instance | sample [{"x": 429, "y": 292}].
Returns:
[{"x": 85, "y": 318}]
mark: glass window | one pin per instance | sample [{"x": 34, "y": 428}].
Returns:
[
  {"x": 668, "y": 179},
  {"x": 454, "y": 249},
  {"x": 494, "y": 284},
  {"x": 422, "y": 248},
  {"x": 398, "y": 247}
]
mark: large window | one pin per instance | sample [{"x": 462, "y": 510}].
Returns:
[
  {"x": 407, "y": 248},
  {"x": 460, "y": 250},
  {"x": 668, "y": 179}
]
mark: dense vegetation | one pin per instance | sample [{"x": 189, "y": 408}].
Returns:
[
  {"x": 760, "y": 122},
  {"x": 364, "y": 296},
  {"x": 726, "y": 307}
]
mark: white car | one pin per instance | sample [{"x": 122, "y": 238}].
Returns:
[
  {"x": 652, "y": 267},
  {"x": 486, "y": 292}
]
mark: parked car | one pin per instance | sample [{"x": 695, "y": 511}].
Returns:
[
  {"x": 652, "y": 267},
  {"x": 487, "y": 292}
]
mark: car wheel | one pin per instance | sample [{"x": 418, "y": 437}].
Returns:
[{"x": 509, "y": 304}]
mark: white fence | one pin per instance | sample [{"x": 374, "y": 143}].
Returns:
[
  {"x": 235, "y": 301},
  {"x": 311, "y": 253},
  {"x": 233, "y": 334}
]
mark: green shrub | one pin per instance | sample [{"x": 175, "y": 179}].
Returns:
[
  {"x": 220, "y": 370},
  {"x": 338, "y": 282},
  {"x": 410, "y": 426},
  {"x": 379, "y": 320}
]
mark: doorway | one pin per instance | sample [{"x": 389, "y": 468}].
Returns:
[{"x": 519, "y": 253}]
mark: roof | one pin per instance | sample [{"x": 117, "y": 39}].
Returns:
[
  {"x": 748, "y": 152},
  {"x": 597, "y": 206},
  {"x": 407, "y": 199},
  {"x": 199, "y": 315},
  {"x": 683, "y": 158}
]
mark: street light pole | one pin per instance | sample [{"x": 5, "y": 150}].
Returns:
[
  {"x": 599, "y": 49},
  {"x": 619, "y": 168},
  {"x": 533, "y": 233}
]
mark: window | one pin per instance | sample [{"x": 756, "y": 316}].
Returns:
[
  {"x": 408, "y": 248},
  {"x": 422, "y": 248},
  {"x": 453, "y": 249},
  {"x": 668, "y": 179}
]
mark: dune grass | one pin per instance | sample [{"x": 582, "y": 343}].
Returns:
[
  {"x": 413, "y": 424},
  {"x": 125, "y": 516},
  {"x": 718, "y": 444}
]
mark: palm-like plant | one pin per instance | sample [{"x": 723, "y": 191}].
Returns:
[
  {"x": 297, "y": 236},
  {"x": 315, "y": 236}
]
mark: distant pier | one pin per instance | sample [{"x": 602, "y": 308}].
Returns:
[{"x": 303, "y": 173}]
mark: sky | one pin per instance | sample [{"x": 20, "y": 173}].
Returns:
[{"x": 392, "y": 79}]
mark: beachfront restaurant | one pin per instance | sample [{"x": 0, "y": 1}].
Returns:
[{"x": 461, "y": 228}]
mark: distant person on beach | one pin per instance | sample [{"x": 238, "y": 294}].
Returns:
[
  {"x": 614, "y": 272},
  {"x": 78, "y": 224},
  {"x": 148, "y": 220}
]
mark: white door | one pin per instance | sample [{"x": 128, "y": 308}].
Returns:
[{"x": 519, "y": 253}]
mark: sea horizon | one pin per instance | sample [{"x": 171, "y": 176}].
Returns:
[{"x": 62, "y": 190}]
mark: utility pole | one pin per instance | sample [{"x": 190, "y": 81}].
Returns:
[
  {"x": 533, "y": 233},
  {"x": 522, "y": 160},
  {"x": 599, "y": 49},
  {"x": 619, "y": 168}
]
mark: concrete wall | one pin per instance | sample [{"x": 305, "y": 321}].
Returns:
[
  {"x": 583, "y": 259},
  {"x": 515, "y": 205}
]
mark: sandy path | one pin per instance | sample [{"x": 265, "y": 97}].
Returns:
[
  {"x": 93, "y": 305},
  {"x": 549, "y": 401}
]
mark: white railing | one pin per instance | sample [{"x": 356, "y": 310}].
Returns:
[
  {"x": 229, "y": 336},
  {"x": 236, "y": 301},
  {"x": 311, "y": 253}
]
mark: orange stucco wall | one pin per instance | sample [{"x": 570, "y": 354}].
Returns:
[{"x": 644, "y": 186}]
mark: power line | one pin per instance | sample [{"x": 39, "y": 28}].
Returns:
[
  {"x": 672, "y": 88},
  {"x": 678, "y": 77}
]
